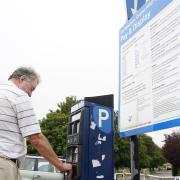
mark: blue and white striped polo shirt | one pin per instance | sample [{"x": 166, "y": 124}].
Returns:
[{"x": 17, "y": 120}]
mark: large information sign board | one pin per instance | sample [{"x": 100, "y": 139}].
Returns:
[{"x": 149, "y": 88}]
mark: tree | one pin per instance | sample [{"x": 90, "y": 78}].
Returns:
[
  {"x": 150, "y": 154},
  {"x": 54, "y": 126},
  {"x": 171, "y": 151}
]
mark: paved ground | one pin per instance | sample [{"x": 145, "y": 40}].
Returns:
[{"x": 163, "y": 173}]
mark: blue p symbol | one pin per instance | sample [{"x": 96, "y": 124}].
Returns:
[
  {"x": 103, "y": 119},
  {"x": 103, "y": 116}
]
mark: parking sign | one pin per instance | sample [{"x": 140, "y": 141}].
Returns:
[{"x": 102, "y": 117}]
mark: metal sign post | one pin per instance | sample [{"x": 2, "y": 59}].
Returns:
[{"x": 134, "y": 147}]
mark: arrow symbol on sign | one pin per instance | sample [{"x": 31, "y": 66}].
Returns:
[{"x": 135, "y": 9}]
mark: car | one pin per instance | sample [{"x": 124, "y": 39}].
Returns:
[{"x": 38, "y": 168}]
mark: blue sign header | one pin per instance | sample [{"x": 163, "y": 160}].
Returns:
[
  {"x": 132, "y": 6},
  {"x": 141, "y": 18}
]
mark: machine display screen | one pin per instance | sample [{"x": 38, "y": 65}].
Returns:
[
  {"x": 75, "y": 124},
  {"x": 76, "y": 117},
  {"x": 76, "y": 127}
]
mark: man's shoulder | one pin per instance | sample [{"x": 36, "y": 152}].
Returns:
[{"x": 11, "y": 88}]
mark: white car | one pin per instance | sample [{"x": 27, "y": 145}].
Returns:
[{"x": 38, "y": 168}]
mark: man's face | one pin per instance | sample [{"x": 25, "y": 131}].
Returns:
[{"x": 27, "y": 85}]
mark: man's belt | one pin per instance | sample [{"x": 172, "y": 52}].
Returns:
[{"x": 15, "y": 161}]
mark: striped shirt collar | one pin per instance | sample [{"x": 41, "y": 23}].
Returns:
[{"x": 10, "y": 83}]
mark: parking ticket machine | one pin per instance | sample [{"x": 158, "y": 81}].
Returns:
[{"x": 90, "y": 139}]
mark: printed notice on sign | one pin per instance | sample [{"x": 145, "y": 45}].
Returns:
[{"x": 150, "y": 68}]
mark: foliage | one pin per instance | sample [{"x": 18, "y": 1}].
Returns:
[
  {"x": 150, "y": 154},
  {"x": 54, "y": 126},
  {"x": 171, "y": 150}
]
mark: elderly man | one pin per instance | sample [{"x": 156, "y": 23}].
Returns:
[{"x": 18, "y": 121}]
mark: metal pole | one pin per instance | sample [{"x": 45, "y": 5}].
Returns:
[{"x": 135, "y": 171}]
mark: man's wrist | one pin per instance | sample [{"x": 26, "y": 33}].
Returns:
[{"x": 62, "y": 167}]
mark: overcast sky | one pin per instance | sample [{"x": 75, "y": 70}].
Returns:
[{"x": 73, "y": 45}]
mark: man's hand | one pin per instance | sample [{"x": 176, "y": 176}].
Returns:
[
  {"x": 41, "y": 144},
  {"x": 68, "y": 169}
]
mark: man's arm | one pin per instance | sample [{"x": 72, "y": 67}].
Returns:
[{"x": 41, "y": 144}]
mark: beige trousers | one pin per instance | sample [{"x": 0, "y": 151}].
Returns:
[{"x": 8, "y": 170}]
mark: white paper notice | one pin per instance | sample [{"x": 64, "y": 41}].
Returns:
[
  {"x": 96, "y": 163},
  {"x": 93, "y": 125},
  {"x": 100, "y": 177},
  {"x": 103, "y": 157}
]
